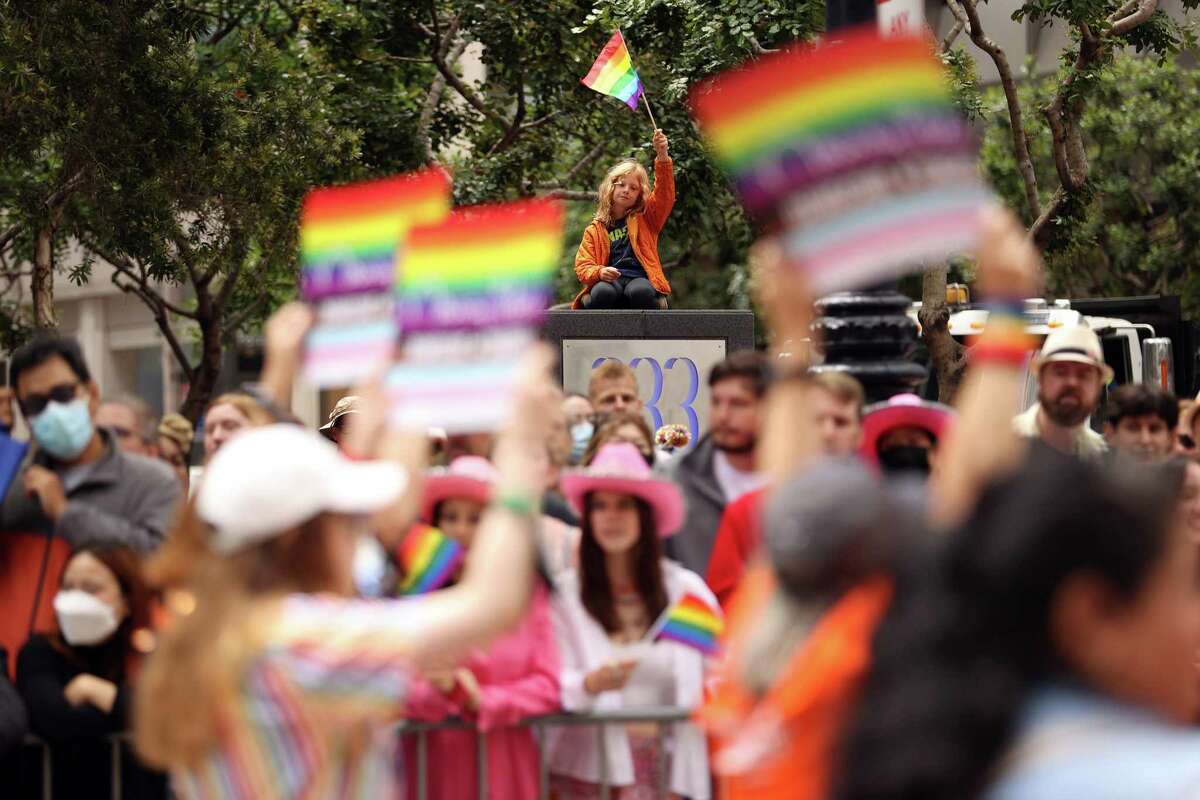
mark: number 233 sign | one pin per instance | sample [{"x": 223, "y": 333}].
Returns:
[{"x": 672, "y": 374}]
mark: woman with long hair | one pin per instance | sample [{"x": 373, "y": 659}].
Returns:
[
  {"x": 621, "y": 426},
  {"x": 274, "y": 682},
  {"x": 495, "y": 687},
  {"x": 75, "y": 679},
  {"x": 606, "y": 607},
  {"x": 1047, "y": 652}
]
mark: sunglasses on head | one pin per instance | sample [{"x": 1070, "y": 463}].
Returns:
[{"x": 35, "y": 404}]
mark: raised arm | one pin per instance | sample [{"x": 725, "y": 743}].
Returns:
[
  {"x": 661, "y": 200},
  {"x": 983, "y": 444}
]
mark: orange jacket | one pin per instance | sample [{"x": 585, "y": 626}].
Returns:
[
  {"x": 644, "y": 227},
  {"x": 787, "y": 739}
]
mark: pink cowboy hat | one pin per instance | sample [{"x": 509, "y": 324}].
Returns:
[
  {"x": 902, "y": 411},
  {"x": 621, "y": 467},
  {"x": 469, "y": 477}
]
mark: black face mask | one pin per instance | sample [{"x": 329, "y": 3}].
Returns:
[{"x": 905, "y": 458}]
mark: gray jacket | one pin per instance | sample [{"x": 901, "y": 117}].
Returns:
[
  {"x": 696, "y": 477},
  {"x": 124, "y": 498}
]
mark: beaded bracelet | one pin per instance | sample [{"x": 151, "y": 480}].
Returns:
[{"x": 1004, "y": 340}]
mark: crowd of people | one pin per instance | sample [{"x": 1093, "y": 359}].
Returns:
[{"x": 921, "y": 600}]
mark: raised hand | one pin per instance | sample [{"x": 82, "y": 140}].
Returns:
[{"x": 660, "y": 144}]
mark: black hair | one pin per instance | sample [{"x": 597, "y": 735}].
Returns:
[
  {"x": 44, "y": 346},
  {"x": 967, "y": 636},
  {"x": 1140, "y": 399},
  {"x": 748, "y": 364}
]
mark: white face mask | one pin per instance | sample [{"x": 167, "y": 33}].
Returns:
[{"x": 83, "y": 618}]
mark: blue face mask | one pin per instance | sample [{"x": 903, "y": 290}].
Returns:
[
  {"x": 581, "y": 436},
  {"x": 63, "y": 429}
]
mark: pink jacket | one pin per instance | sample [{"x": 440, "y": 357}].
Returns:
[{"x": 518, "y": 678}]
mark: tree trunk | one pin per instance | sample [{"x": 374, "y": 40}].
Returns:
[
  {"x": 946, "y": 357},
  {"x": 42, "y": 281},
  {"x": 203, "y": 379}
]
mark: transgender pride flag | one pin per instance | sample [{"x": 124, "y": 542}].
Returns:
[{"x": 613, "y": 73}]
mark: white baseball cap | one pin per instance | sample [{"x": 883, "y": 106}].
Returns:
[{"x": 268, "y": 480}]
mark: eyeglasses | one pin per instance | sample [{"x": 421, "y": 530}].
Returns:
[{"x": 35, "y": 404}]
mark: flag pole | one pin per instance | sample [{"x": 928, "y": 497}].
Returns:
[
  {"x": 648, "y": 111},
  {"x": 645, "y": 102}
]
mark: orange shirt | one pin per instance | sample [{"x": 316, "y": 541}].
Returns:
[{"x": 783, "y": 744}]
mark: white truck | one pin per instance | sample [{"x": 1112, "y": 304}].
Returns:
[{"x": 1133, "y": 349}]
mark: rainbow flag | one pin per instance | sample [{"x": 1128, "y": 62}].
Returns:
[
  {"x": 852, "y": 151},
  {"x": 471, "y": 293},
  {"x": 349, "y": 240},
  {"x": 613, "y": 73},
  {"x": 692, "y": 622},
  {"x": 428, "y": 558}
]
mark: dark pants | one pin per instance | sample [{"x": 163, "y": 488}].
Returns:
[{"x": 623, "y": 293}]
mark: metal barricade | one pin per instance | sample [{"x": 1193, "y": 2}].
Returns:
[
  {"x": 661, "y": 717},
  {"x": 115, "y": 743}
]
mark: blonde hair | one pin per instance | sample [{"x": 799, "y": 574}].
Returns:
[
  {"x": 620, "y": 170},
  {"x": 250, "y": 408},
  {"x": 177, "y": 428},
  {"x": 194, "y": 674}
]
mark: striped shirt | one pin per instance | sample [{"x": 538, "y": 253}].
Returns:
[{"x": 314, "y": 711}]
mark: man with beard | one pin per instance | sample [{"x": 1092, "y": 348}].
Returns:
[
  {"x": 1071, "y": 372},
  {"x": 721, "y": 467}
]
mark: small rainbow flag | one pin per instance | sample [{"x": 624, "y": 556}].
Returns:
[
  {"x": 613, "y": 73},
  {"x": 428, "y": 558},
  {"x": 349, "y": 239},
  {"x": 470, "y": 294},
  {"x": 852, "y": 151},
  {"x": 694, "y": 623}
]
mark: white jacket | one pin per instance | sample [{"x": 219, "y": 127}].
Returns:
[{"x": 585, "y": 646}]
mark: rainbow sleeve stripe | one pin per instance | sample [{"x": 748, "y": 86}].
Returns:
[
  {"x": 852, "y": 150},
  {"x": 694, "y": 623},
  {"x": 349, "y": 234},
  {"x": 613, "y": 73},
  {"x": 429, "y": 558}
]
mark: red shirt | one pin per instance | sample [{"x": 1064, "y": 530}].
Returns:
[{"x": 738, "y": 538}]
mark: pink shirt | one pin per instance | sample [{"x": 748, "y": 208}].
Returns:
[{"x": 518, "y": 678}]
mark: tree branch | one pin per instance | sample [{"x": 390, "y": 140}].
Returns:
[
  {"x": 445, "y": 67},
  {"x": 1040, "y": 231},
  {"x": 1016, "y": 117},
  {"x": 952, "y": 35},
  {"x": 126, "y": 267},
  {"x": 514, "y": 127},
  {"x": 1124, "y": 20},
  {"x": 160, "y": 319},
  {"x": 433, "y": 99}
]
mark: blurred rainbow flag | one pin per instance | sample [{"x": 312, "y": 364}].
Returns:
[
  {"x": 692, "y": 622},
  {"x": 428, "y": 558},
  {"x": 470, "y": 295},
  {"x": 852, "y": 151},
  {"x": 350, "y": 237},
  {"x": 613, "y": 73}
]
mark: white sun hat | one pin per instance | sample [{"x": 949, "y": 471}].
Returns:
[
  {"x": 1077, "y": 343},
  {"x": 270, "y": 479}
]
